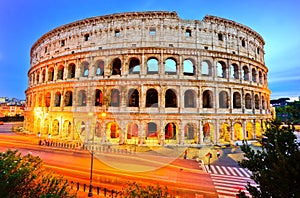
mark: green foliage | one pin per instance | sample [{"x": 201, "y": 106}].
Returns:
[
  {"x": 136, "y": 190},
  {"x": 24, "y": 176},
  {"x": 275, "y": 168}
]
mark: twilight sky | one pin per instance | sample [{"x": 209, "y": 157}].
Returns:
[{"x": 22, "y": 22}]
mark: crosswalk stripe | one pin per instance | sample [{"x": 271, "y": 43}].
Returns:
[
  {"x": 225, "y": 170},
  {"x": 220, "y": 170},
  {"x": 238, "y": 172},
  {"x": 232, "y": 172},
  {"x": 246, "y": 173}
]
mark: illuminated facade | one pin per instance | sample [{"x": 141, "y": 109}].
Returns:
[{"x": 149, "y": 78}]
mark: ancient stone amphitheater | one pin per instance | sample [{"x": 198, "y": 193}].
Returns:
[{"x": 148, "y": 78}]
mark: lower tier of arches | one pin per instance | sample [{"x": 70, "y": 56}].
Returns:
[{"x": 146, "y": 129}]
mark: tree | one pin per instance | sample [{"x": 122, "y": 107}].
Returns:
[
  {"x": 24, "y": 176},
  {"x": 276, "y": 168},
  {"x": 133, "y": 190}
]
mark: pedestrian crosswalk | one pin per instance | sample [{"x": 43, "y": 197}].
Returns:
[{"x": 229, "y": 180}]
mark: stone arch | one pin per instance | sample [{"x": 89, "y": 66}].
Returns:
[
  {"x": 221, "y": 69},
  {"x": 225, "y": 133},
  {"x": 134, "y": 66},
  {"x": 133, "y": 98},
  {"x": 207, "y": 99},
  {"x": 206, "y": 68},
  {"x": 99, "y": 68},
  {"x": 238, "y": 131},
  {"x": 71, "y": 70},
  {"x": 152, "y": 130},
  {"x": 237, "y": 101},
  {"x": 248, "y": 102},
  {"x": 55, "y": 127},
  {"x": 115, "y": 98},
  {"x": 189, "y": 99},
  {"x": 60, "y": 72},
  {"x": 171, "y": 131},
  {"x": 47, "y": 99},
  {"x": 98, "y": 98},
  {"x": 258, "y": 132},
  {"x": 68, "y": 99},
  {"x": 254, "y": 75},
  {"x": 46, "y": 127},
  {"x": 234, "y": 71},
  {"x": 152, "y": 65},
  {"x": 50, "y": 74},
  {"x": 170, "y": 66},
  {"x": 190, "y": 132},
  {"x": 84, "y": 69},
  {"x": 223, "y": 99},
  {"x": 113, "y": 131},
  {"x": 43, "y": 76},
  {"x": 256, "y": 101},
  {"x": 170, "y": 98},
  {"x": 208, "y": 132},
  {"x": 189, "y": 67},
  {"x": 249, "y": 131},
  {"x": 245, "y": 73},
  {"x": 67, "y": 129},
  {"x": 132, "y": 130},
  {"x": 151, "y": 98},
  {"x": 82, "y": 98},
  {"x": 116, "y": 66}
]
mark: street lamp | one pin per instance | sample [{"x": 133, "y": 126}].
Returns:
[{"x": 103, "y": 114}]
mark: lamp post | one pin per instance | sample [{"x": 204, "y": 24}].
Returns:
[{"x": 90, "y": 194}]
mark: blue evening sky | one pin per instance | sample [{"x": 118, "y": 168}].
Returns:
[{"x": 22, "y": 22}]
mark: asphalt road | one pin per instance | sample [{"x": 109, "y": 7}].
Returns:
[{"x": 182, "y": 177}]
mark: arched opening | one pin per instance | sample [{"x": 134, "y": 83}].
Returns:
[
  {"x": 55, "y": 127},
  {"x": 134, "y": 66},
  {"x": 237, "y": 103},
  {"x": 114, "y": 130},
  {"x": 260, "y": 76},
  {"x": 37, "y": 77},
  {"x": 263, "y": 103},
  {"x": 151, "y": 129},
  {"x": 208, "y": 132},
  {"x": 152, "y": 98},
  {"x": 82, "y": 131},
  {"x": 43, "y": 76},
  {"x": 170, "y": 98},
  {"x": 60, "y": 72},
  {"x": 84, "y": 69},
  {"x": 68, "y": 98},
  {"x": 50, "y": 74},
  {"x": 206, "y": 68},
  {"x": 132, "y": 130},
  {"x": 238, "y": 131},
  {"x": 66, "y": 129},
  {"x": 133, "y": 98},
  {"x": 223, "y": 99},
  {"x": 116, "y": 67},
  {"x": 190, "y": 132},
  {"x": 256, "y": 101},
  {"x": 254, "y": 77},
  {"x": 152, "y": 66},
  {"x": 100, "y": 68},
  {"x": 98, "y": 98},
  {"x": 170, "y": 66},
  {"x": 221, "y": 69},
  {"x": 234, "y": 71},
  {"x": 207, "y": 99},
  {"x": 188, "y": 67},
  {"x": 57, "y": 99},
  {"x": 249, "y": 131},
  {"x": 245, "y": 73},
  {"x": 71, "y": 70},
  {"x": 248, "y": 102},
  {"x": 225, "y": 134},
  {"x": 115, "y": 98},
  {"x": 258, "y": 130},
  {"x": 47, "y": 99},
  {"x": 170, "y": 131},
  {"x": 46, "y": 127},
  {"x": 189, "y": 99},
  {"x": 82, "y": 98}
]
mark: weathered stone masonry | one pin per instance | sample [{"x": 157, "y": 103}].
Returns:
[{"x": 159, "y": 80}]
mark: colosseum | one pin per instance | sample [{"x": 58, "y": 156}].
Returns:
[{"x": 148, "y": 78}]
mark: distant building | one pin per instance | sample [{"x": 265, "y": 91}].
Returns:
[
  {"x": 281, "y": 102},
  {"x": 11, "y": 107}
]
